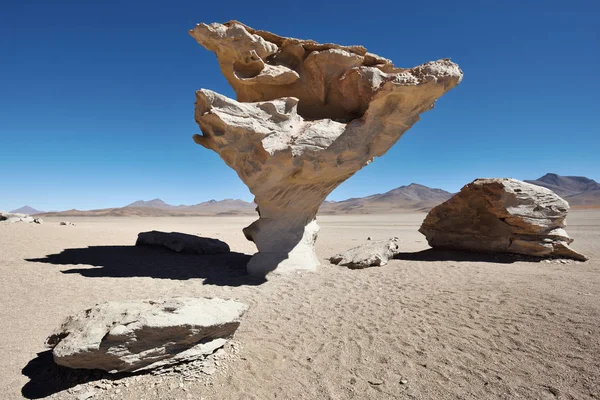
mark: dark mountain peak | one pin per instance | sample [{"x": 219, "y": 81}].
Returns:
[
  {"x": 549, "y": 178},
  {"x": 567, "y": 186},
  {"x": 154, "y": 203},
  {"x": 27, "y": 210}
]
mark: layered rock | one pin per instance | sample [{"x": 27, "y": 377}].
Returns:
[
  {"x": 182, "y": 242},
  {"x": 374, "y": 253},
  {"x": 502, "y": 215},
  {"x": 308, "y": 116},
  {"x": 129, "y": 336}
]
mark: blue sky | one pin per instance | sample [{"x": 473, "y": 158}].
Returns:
[{"x": 97, "y": 97}]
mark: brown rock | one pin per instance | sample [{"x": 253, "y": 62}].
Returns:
[{"x": 502, "y": 215}]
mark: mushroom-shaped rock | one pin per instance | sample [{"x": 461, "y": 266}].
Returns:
[
  {"x": 502, "y": 215},
  {"x": 134, "y": 335},
  {"x": 307, "y": 117}
]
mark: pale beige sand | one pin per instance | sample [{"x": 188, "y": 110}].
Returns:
[{"x": 469, "y": 327}]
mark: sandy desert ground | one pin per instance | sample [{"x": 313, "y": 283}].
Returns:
[{"x": 431, "y": 325}]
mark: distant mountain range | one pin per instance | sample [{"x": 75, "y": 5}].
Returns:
[
  {"x": 413, "y": 197},
  {"x": 577, "y": 190},
  {"x": 405, "y": 198}
]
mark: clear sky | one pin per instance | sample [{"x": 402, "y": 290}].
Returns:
[{"x": 97, "y": 97}]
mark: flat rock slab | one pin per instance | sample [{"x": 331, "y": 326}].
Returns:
[
  {"x": 182, "y": 242},
  {"x": 374, "y": 253},
  {"x": 135, "y": 335},
  {"x": 502, "y": 215}
]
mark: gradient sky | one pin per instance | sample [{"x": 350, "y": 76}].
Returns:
[{"x": 97, "y": 97}]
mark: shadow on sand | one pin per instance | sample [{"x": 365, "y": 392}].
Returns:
[
  {"x": 46, "y": 377},
  {"x": 228, "y": 269},
  {"x": 431, "y": 255}
]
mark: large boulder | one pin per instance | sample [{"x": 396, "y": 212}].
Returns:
[
  {"x": 374, "y": 253},
  {"x": 10, "y": 218},
  {"x": 307, "y": 117},
  {"x": 182, "y": 242},
  {"x": 129, "y": 336},
  {"x": 502, "y": 215}
]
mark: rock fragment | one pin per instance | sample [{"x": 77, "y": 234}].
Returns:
[
  {"x": 129, "y": 336},
  {"x": 182, "y": 242},
  {"x": 374, "y": 253}
]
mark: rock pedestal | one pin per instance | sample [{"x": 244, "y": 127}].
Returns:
[
  {"x": 307, "y": 117},
  {"x": 502, "y": 215}
]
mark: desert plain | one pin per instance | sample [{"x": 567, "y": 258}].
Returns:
[{"x": 428, "y": 325}]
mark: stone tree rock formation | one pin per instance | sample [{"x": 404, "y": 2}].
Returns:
[
  {"x": 307, "y": 117},
  {"x": 502, "y": 215}
]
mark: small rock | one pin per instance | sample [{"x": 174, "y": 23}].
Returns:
[
  {"x": 38, "y": 221},
  {"x": 376, "y": 381},
  {"x": 403, "y": 381},
  {"x": 76, "y": 388},
  {"x": 67, "y": 223},
  {"x": 374, "y": 253},
  {"x": 209, "y": 370},
  {"x": 182, "y": 242},
  {"x": 87, "y": 395},
  {"x": 369, "y": 238},
  {"x": 352, "y": 380}
]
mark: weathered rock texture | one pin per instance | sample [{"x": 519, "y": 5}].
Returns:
[
  {"x": 308, "y": 116},
  {"x": 182, "y": 242},
  {"x": 138, "y": 335},
  {"x": 374, "y": 253},
  {"x": 502, "y": 215},
  {"x": 11, "y": 218}
]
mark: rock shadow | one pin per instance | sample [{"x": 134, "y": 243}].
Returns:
[
  {"x": 431, "y": 255},
  {"x": 227, "y": 269},
  {"x": 46, "y": 377}
]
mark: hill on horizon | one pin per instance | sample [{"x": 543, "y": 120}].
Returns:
[
  {"x": 576, "y": 190},
  {"x": 154, "y": 203},
  {"x": 413, "y": 197},
  {"x": 27, "y": 210}
]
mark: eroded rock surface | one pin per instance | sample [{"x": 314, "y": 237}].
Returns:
[
  {"x": 307, "y": 117},
  {"x": 10, "y": 218},
  {"x": 502, "y": 215},
  {"x": 182, "y": 242},
  {"x": 129, "y": 336},
  {"x": 374, "y": 253}
]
